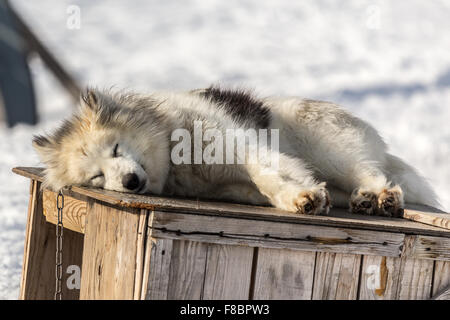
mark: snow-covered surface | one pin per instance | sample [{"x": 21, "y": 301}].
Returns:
[{"x": 386, "y": 61}]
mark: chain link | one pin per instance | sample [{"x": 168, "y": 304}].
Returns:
[{"x": 59, "y": 249}]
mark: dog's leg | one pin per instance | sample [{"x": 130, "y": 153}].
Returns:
[
  {"x": 240, "y": 192},
  {"x": 290, "y": 186},
  {"x": 374, "y": 195}
]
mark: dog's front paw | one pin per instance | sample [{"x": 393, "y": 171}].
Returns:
[
  {"x": 390, "y": 203},
  {"x": 363, "y": 202},
  {"x": 312, "y": 201}
]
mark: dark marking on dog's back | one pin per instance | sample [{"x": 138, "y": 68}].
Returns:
[{"x": 240, "y": 104}]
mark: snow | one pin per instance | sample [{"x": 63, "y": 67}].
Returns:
[{"x": 386, "y": 61}]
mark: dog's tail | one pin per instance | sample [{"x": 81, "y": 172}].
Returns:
[{"x": 416, "y": 188}]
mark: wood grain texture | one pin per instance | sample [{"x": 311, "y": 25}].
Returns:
[
  {"x": 32, "y": 202},
  {"x": 224, "y": 230},
  {"x": 444, "y": 295},
  {"x": 140, "y": 253},
  {"x": 441, "y": 220},
  {"x": 110, "y": 252},
  {"x": 415, "y": 275},
  {"x": 336, "y": 276},
  {"x": 441, "y": 277},
  {"x": 425, "y": 247},
  {"x": 193, "y": 270},
  {"x": 149, "y": 243},
  {"x": 379, "y": 278},
  {"x": 415, "y": 279},
  {"x": 337, "y": 217},
  {"x": 38, "y": 272},
  {"x": 284, "y": 274},
  {"x": 404, "y": 278},
  {"x": 74, "y": 212},
  {"x": 228, "y": 272},
  {"x": 204, "y": 251},
  {"x": 187, "y": 270},
  {"x": 159, "y": 270}
]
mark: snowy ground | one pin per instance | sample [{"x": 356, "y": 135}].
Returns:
[{"x": 386, "y": 61}]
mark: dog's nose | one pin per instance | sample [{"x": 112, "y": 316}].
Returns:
[{"x": 130, "y": 181}]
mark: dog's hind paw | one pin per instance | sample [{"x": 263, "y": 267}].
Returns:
[
  {"x": 363, "y": 202},
  {"x": 387, "y": 203},
  {"x": 390, "y": 202}
]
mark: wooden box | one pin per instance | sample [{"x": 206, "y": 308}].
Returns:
[{"x": 140, "y": 247}]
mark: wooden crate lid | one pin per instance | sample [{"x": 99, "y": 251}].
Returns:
[{"x": 337, "y": 217}]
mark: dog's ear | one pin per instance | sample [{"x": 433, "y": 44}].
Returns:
[
  {"x": 44, "y": 147},
  {"x": 90, "y": 99},
  {"x": 49, "y": 154}
]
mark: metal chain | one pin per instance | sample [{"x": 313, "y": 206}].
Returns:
[{"x": 59, "y": 248}]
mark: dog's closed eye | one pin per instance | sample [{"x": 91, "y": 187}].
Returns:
[
  {"x": 97, "y": 176},
  {"x": 116, "y": 151}
]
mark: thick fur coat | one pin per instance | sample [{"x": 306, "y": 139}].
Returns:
[{"x": 324, "y": 156}]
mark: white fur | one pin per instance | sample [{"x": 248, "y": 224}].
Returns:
[{"x": 324, "y": 152}]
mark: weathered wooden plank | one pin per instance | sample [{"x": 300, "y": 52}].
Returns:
[
  {"x": 337, "y": 218},
  {"x": 73, "y": 244},
  {"x": 404, "y": 278},
  {"x": 444, "y": 295},
  {"x": 110, "y": 252},
  {"x": 415, "y": 279},
  {"x": 74, "y": 211},
  {"x": 284, "y": 274},
  {"x": 34, "y": 173},
  {"x": 425, "y": 247},
  {"x": 336, "y": 276},
  {"x": 441, "y": 277},
  {"x": 159, "y": 270},
  {"x": 38, "y": 271},
  {"x": 441, "y": 220},
  {"x": 415, "y": 275},
  {"x": 228, "y": 272},
  {"x": 140, "y": 253},
  {"x": 187, "y": 270},
  {"x": 224, "y": 230},
  {"x": 32, "y": 202},
  {"x": 379, "y": 278},
  {"x": 149, "y": 242}
]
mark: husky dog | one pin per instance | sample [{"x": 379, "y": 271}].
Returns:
[{"x": 123, "y": 141}]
